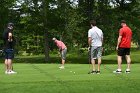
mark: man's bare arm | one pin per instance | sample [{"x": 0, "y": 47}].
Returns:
[
  {"x": 89, "y": 41},
  {"x": 10, "y": 37},
  {"x": 119, "y": 41}
]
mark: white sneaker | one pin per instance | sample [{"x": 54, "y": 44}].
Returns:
[
  {"x": 61, "y": 67},
  {"x": 127, "y": 71},
  {"x": 12, "y": 72},
  {"x": 116, "y": 71},
  {"x": 6, "y": 72}
]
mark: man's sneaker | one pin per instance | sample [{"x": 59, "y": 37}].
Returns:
[
  {"x": 12, "y": 72},
  {"x": 61, "y": 67},
  {"x": 127, "y": 71},
  {"x": 92, "y": 72},
  {"x": 6, "y": 72},
  {"x": 97, "y": 72},
  {"x": 117, "y": 71}
]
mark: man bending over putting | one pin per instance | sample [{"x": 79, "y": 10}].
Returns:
[{"x": 63, "y": 50}]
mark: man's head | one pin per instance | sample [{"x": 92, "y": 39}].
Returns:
[
  {"x": 10, "y": 26},
  {"x": 93, "y": 23},
  {"x": 123, "y": 23}
]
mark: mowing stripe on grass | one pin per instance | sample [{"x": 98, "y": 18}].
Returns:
[
  {"x": 50, "y": 75},
  {"x": 126, "y": 79}
]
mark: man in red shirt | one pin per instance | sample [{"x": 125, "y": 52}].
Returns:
[{"x": 123, "y": 46}]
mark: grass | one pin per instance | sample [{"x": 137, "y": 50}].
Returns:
[{"x": 47, "y": 78}]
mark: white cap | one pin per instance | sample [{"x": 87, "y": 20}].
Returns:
[{"x": 54, "y": 38}]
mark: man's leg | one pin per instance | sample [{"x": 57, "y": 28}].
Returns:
[
  {"x": 63, "y": 62},
  {"x": 93, "y": 59},
  {"x": 119, "y": 59},
  {"x": 6, "y": 61},
  {"x": 99, "y": 55},
  {"x": 10, "y": 67},
  {"x": 6, "y": 66},
  {"x": 93, "y": 64},
  {"x": 10, "y": 64},
  {"x": 119, "y": 62},
  {"x": 64, "y": 52},
  {"x": 63, "y": 57},
  {"x": 10, "y": 58},
  {"x": 99, "y": 63},
  {"x": 128, "y": 59}
]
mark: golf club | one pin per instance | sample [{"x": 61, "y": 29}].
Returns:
[{"x": 89, "y": 58}]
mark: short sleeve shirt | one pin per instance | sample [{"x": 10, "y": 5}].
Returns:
[
  {"x": 126, "y": 34},
  {"x": 7, "y": 44},
  {"x": 96, "y": 35},
  {"x": 60, "y": 44}
]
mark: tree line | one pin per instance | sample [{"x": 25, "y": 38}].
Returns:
[{"x": 38, "y": 21}]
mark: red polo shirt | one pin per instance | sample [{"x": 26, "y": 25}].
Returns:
[{"x": 126, "y": 34}]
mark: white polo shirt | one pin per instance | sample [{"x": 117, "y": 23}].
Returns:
[{"x": 96, "y": 35}]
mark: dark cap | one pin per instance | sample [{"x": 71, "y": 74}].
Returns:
[
  {"x": 10, "y": 24},
  {"x": 123, "y": 21}
]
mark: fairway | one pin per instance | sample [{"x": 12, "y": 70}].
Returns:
[
  {"x": 87, "y": 39},
  {"x": 47, "y": 78}
]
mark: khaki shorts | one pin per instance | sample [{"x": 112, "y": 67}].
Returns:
[
  {"x": 63, "y": 53},
  {"x": 96, "y": 52}
]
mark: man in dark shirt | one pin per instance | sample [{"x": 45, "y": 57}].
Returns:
[{"x": 9, "y": 48}]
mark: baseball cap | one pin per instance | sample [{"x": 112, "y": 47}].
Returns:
[
  {"x": 54, "y": 38},
  {"x": 10, "y": 24}
]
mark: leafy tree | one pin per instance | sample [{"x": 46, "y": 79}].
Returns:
[{"x": 37, "y": 21}]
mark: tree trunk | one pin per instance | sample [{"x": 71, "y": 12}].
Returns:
[
  {"x": 138, "y": 45},
  {"x": 46, "y": 45},
  {"x": 90, "y": 4}
]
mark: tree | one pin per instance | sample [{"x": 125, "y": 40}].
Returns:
[
  {"x": 65, "y": 20},
  {"x": 45, "y": 31}
]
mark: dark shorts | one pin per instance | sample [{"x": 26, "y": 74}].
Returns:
[
  {"x": 123, "y": 51},
  {"x": 9, "y": 53}
]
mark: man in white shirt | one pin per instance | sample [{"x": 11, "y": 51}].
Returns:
[{"x": 95, "y": 40}]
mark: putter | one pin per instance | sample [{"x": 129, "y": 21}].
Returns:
[{"x": 89, "y": 58}]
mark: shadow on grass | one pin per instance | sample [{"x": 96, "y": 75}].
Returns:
[
  {"x": 86, "y": 61},
  {"x": 69, "y": 60}
]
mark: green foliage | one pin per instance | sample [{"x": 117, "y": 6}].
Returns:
[{"x": 67, "y": 21}]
